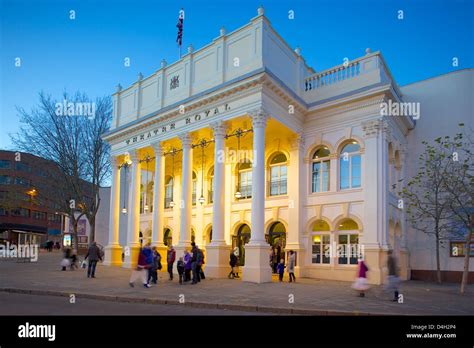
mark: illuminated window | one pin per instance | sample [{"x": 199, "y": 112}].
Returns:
[
  {"x": 348, "y": 247},
  {"x": 321, "y": 243},
  {"x": 320, "y": 170},
  {"x": 278, "y": 175},
  {"x": 350, "y": 166}
]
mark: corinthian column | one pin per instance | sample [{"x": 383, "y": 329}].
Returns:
[
  {"x": 257, "y": 268},
  {"x": 113, "y": 250},
  {"x": 218, "y": 251}
]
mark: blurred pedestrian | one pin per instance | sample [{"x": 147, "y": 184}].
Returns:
[
  {"x": 361, "y": 284},
  {"x": 393, "y": 281},
  {"x": 141, "y": 271}
]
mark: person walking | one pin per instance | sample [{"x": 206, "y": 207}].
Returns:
[
  {"x": 291, "y": 266},
  {"x": 393, "y": 281},
  {"x": 94, "y": 255},
  {"x": 232, "y": 263},
  {"x": 141, "y": 271},
  {"x": 281, "y": 269},
  {"x": 187, "y": 266},
  {"x": 201, "y": 263},
  {"x": 361, "y": 284},
  {"x": 180, "y": 267}
]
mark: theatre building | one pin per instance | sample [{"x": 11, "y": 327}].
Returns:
[{"x": 240, "y": 145}]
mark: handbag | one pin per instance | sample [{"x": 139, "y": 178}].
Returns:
[{"x": 83, "y": 264}]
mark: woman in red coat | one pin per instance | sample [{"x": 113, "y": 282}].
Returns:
[{"x": 361, "y": 283}]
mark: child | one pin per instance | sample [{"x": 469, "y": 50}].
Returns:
[
  {"x": 281, "y": 269},
  {"x": 180, "y": 266}
]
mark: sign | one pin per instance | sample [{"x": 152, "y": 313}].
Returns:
[{"x": 178, "y": 124}]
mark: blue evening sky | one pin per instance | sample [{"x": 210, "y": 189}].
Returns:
[{"x": 87, "y": 53}]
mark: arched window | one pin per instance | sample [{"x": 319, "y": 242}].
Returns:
[
  {"x": 169, "y": 192},
  {"x": 193, "y": 236},
  {"x": 320, "y": 170},
  {"x": 278, "y": 175},
  {"x": 350, "y": 166},
  {"x": 210, "y": 180},
  {"x": 321, "y": 243},
  {"x": 194, "y": 188},
  {"x": 348, "y": 248},
  {"x": 244, "y": 188}
]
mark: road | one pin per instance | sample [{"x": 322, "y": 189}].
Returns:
[{"x": 23, "y": 304}]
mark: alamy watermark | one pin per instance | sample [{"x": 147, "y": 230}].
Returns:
[
  {"x": 22, "y": 251},
  {"x": 411, "y": 109},
  {"x": 67, "y": 108}
]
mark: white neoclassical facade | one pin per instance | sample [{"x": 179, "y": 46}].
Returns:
[{"x": 241, "y": 145}]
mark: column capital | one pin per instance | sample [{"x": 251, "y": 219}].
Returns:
[
  {"x": 157, "y": 148},
  {"x": 259, "y": 118},
  {"x": 373, "y": 128},
  {"x": 297, "y": 142},
  {"x": 219, "y": 128},
  {"x": 186, "y": 140},
  {"x": 133, "y": 156}
]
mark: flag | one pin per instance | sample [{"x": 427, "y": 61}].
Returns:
[{"x": 179, "y": 38}]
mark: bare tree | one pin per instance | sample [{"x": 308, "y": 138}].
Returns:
[
  {"x": 56, "y": 131},
  {"x": 427, "y": 199}
]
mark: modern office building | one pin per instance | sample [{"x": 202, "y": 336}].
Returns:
[{"x": 28, "y": 211}]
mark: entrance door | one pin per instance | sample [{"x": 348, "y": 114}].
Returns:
[
  {"x": 276, "y": 237},
  {"x": 239, "y": 240}
]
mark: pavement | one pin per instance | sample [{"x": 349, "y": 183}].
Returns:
[{"x": 305, "y": 297}]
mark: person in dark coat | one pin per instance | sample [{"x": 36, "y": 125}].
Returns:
[
  {"x": 232, "y": 263},
  {"x": 94, "y": 255},
  {"x": 187, "y": 266},
  {"x": 155, "y": 266},
  {"x": 180, "y": 267},
  {"x": 171, "y": 257}
]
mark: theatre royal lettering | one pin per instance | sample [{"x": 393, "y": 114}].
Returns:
[{"x": 180, "y": 123}]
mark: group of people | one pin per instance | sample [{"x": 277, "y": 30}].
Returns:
[
  {"x": 290, "y": 268},
  {"x": 149, "y": 262},
  {"x": 393, "y": 281}
]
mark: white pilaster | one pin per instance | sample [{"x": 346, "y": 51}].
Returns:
[
  {"x": 257, "y": 269},
  {"x": 133, "y": 226},
  {"x": 113, "y": 250},
  {"x": 296, "y": 188},
  {"x": 218, "y": 250}
]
